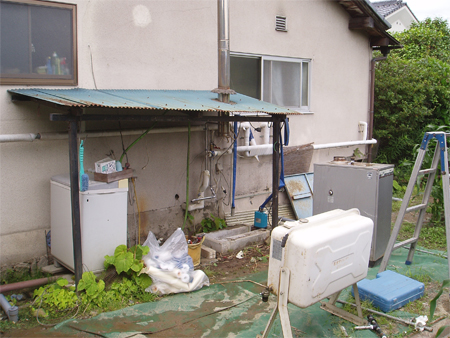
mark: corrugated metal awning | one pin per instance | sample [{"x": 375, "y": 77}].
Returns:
[{"x": 181, "y": 100}]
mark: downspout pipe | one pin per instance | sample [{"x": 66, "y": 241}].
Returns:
[
  {"x": 11, "y": 311},
  {"x": 372, "y": 104}
]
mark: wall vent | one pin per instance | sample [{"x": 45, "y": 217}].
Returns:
[{"x": 280, "y": 23}]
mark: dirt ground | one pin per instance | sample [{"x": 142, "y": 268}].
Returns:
[{"x": 229, "y": 267}]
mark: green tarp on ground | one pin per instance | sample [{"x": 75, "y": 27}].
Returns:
[{"x": 236, "y": 310}]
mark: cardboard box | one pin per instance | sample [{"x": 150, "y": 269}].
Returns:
[{"x": 105, "y": 166}]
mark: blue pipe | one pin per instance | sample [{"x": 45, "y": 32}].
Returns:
[{"x": 234, "y": 167}]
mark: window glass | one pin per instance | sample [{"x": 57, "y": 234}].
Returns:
[
  {"x": 284, "y": 81},
  {"x": 285, "y": 84},
  {"x": 305, "y": 84},
  {"x": 38, "y": 43},
  {"x": 267, "y": 92},
  {"x": 246, "y": 76}
]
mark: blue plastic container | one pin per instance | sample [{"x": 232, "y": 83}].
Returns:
[
  {"x": 260, "y": 219},
  {"x": 390, "y": 290}
]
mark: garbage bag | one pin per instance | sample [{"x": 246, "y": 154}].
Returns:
[{"x": 170, "y": 267}]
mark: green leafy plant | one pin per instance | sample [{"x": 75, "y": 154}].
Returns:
[
  {"x": 57, "y": 296},
  {"x": 212, "y": 223},
  {"x": 445, "y": 284},
  {"x": 127, "y": 260},
  {"x": 94, "y": 290}
]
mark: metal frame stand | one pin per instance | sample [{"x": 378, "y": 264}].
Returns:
[
  {"x": 333, "y": 309},
  {"x": 283, "y": 300}
]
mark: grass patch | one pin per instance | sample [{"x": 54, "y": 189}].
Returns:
[{"x": 11, "y": 276}]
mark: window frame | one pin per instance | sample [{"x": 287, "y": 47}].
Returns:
[
  {"x": 44, "y": 79},
  {"x": 300, "y": 61}
]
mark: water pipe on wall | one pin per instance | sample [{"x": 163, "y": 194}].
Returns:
[
  {"x": 364, "y": 141},
  {"x": 199, "y": 202},
  {"x": 250, "y": 148},
  {"x": 5, "y": 138}
]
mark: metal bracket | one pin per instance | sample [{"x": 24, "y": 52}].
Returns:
[
  {"x": 333, "y": 309},
  {"x": 282, "y": 302}
]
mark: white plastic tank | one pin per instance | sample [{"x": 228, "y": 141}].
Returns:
[{"x": 326, "y": 254}]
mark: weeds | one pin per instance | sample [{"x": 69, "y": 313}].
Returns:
[{"x": 11, "y": 276}]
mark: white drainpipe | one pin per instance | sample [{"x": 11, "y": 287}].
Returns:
[
  {"x": 250, "y": 148},
  {"x": 199, "y": 202},
  {"x": 18, "y": 137},
  {"x": 4, "y": 138},
  {"x": 364, "y": 141}
]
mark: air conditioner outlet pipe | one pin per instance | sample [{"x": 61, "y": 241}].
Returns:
[{"x": 11, "y": 311}]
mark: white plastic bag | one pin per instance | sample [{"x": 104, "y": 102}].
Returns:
[{"x": 170, "y": 267}]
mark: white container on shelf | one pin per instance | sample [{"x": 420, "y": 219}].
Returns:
[
  {"x": 325, "y": 255},
  {"x": 103, "y": 218}
]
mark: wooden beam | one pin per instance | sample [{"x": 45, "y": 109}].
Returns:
[
  {"x": 163, "y": 118},
  {"x": 361, "y": 22},
  {"x": 379, "y": 41}
]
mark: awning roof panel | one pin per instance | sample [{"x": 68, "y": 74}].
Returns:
[{"x": 182, "y": 100}]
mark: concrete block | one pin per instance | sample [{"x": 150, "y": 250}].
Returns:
[
  {"x": 234, "y": 239},
  {"x": 241, "y": 241},
  {"x": 52, "y": 269},
  {"x": 207, "y": 252}
]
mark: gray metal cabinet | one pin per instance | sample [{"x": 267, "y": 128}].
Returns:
[{"x": 366, "y": 186}]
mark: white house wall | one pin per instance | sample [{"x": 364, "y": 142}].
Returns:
[
  {"x": 174, "y": 46},
  {"x": 400, "y": 20}
]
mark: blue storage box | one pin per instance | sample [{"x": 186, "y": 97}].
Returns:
[{"x": 390, "y": 290}]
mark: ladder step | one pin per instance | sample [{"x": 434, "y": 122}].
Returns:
[
  {"x": 408, "y": 241},
  {"x": 416, "y": 207},
  {"x": 427, "y": 171}
]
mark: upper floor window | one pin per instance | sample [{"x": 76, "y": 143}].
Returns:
[
  {"x": 38, "y": 43},
  {"x": 278, "y": 80}
]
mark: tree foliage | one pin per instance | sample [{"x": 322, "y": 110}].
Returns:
[
  {"x": 428, "y": 38},
  {"x": 412, "y": 89}
]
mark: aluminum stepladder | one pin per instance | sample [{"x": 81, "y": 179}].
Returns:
[{"x": 440, "y": 155}]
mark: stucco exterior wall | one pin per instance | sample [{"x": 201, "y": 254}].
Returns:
[{"x": 173, "y": 45}]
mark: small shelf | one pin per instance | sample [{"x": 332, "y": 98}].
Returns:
[{"x": 112, "y": 177}]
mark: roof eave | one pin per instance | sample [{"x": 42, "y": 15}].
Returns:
[{"x": 363, "y": 16}]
